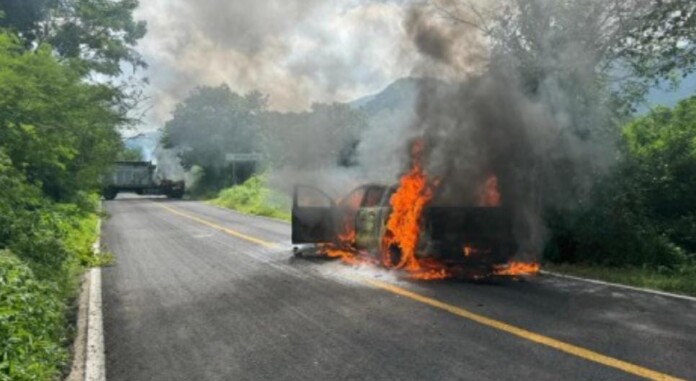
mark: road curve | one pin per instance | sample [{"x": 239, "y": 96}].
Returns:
[{"x": 202, "y": 293}]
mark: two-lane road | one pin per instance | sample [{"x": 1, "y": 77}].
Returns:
[{"x": 201, "y": 293}]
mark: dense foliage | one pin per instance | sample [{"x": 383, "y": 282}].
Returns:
[
  {"x": 662, "y": 146},
  {"x": 49, "y": 244},
  {"x": 644, "y": 213},
  {"x": 31, "y": 324},
  {"x": 96, "y": 35},
  {"x": 59, "y": 132}
]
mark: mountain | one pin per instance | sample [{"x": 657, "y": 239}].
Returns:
[{"x": 400, "y": 93}]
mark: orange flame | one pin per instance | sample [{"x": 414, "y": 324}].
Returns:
[
  {"x": 343, "y": 246},
  {"x": 518, "y": 268},
  {"x": 415, "y": 191},
  {"x": 430, "y": 269},
  {"x": 345, "y": 255},
  {"x": 489, "y": 194},
  {"x": 403, "y": 225}
]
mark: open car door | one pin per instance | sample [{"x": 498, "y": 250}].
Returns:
[{"x": 313, "y": 216}]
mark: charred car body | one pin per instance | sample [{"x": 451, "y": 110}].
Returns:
[
  {"x": 139, "y": 177},
  {"x": 469, "y": 239}
]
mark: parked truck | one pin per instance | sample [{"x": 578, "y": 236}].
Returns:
[
  {"x": 139, "y": 177},
  {"x": 475, "y": 238}
]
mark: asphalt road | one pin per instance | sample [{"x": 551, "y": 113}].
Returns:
[{"x": 187, "y": 300}]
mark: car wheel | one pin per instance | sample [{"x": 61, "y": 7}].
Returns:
[{"x": 110, "y": 194}]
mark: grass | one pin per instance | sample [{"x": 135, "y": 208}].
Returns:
[
  {"x": 36, "y": 296},
  {"x": 32, "y": 324},
  {"x": 681, "y": 281},
  {"x": 252, "y": 197}
]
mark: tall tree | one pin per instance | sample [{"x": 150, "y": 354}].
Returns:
[
  {"x": 210, "y": 123},
  {"x": 626, "y": 46}
]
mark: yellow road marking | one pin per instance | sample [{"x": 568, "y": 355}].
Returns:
[
  {"x": 221, "y": 228},
  {"x": 488, "y": 322},
  {"x": 527, "y": 335}
]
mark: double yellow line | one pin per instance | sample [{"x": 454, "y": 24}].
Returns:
[{"x": 573, "y": 350}]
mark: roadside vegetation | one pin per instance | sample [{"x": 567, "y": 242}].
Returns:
[
  {"x": 253, "y": 197},
  {"x": 639, "y": 226},
  {"x": 59, "y": 131},
  {"x": 681, "y": 281}
]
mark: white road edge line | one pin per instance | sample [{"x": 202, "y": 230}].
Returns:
[
  {"x": 95, "y": 364},
  {"x": 617, "y": 285}
]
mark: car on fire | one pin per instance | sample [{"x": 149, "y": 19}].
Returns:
[{"x": 465, "y": 240}]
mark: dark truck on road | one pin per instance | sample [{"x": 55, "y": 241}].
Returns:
[
  {"x": 139, "y": 177},
  {"x": 475, "y": 238}
]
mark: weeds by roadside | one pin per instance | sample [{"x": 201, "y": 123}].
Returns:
[
  {"x": 252, "y": 197},
  {"x": 44, "y": 248}
]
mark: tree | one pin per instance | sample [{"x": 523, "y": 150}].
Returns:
[
  {"x": 57, "y": 129},
  {"x": 644, "y": 212},
  {"x": 24, "y": 16},
  {"x": 210, "y": 123},
  {"x": 97, "y": 35},
  {"x": 92, "y": 36},
  {"x": 662, "y": 146},
  {"x": 625, "y": 46}
]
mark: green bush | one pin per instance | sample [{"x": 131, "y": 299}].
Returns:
[
  {"x": 51, "y": 244},
  {"x": 254, "y": 198},
  {"x": 644, "y": 213},
  {"x": 32, "y": 324},
  {"x": 662, "y": 146}
]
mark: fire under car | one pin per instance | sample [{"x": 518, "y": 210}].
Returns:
[{"x": 466, "y": 240}]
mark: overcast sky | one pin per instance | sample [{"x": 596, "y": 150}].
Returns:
[{"x": 296, "y": 51}]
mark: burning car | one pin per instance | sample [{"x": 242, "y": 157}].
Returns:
[{"x": 398, "y": 227}]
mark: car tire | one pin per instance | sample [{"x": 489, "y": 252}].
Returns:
[
  {"x": 110, "y": 194},
  {"x": 395, "y": 256}
]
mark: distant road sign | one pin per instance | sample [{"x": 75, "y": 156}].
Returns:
[{"x": 242, "y": 157}]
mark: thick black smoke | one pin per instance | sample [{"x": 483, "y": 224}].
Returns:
[{"x": 545, "y": 144}]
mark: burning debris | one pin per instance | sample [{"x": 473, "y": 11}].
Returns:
[{"x": 517, "y": 268}]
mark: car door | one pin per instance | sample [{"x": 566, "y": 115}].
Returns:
[{"x": 313, "y": 216}]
